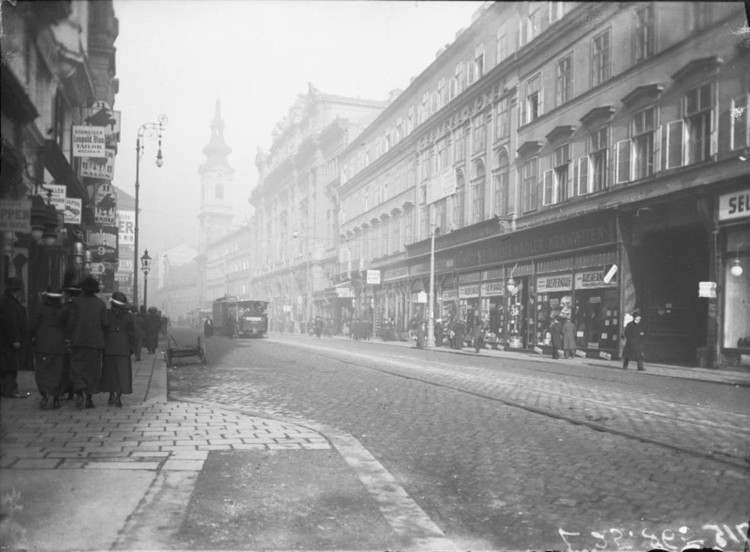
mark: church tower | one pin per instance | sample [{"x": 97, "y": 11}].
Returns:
[{"x": 216, "y": 186}]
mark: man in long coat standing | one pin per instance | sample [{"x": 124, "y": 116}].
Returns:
[
  {"x": 13, "y": 338},
  {"x": 86, "y": 320},
  {"x": 635, "y": 338}
]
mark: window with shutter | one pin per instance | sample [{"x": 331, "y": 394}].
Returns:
[
  {"x": 623, "y": 161},
  {"x": 548, "y": 195},
  {"x": 675, "y": 144},
  {"x": 583, "y": 176},
  {"x": 701, "y": 128},
  {"x": 739, "y": 121}
]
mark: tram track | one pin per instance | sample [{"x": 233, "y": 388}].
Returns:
[{"x": 716, "y": 456}]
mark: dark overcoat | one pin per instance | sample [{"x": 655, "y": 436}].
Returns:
[
  {"x": 48, "y": 330},
  {"x": 556, "y": 331},
  {"x": 119, "y": 337},
  {"x": 14, "y": 328},
  {"x": 85, "y": 321},
  {"x": 635, "y": 337}
]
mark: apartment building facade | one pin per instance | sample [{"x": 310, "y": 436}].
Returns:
[
  {"x": 293, "y": 235},
  {"x": 58, "y": 64},
  {"x": 571, "y": 159}
]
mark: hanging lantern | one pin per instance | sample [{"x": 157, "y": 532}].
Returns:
[
  {"x": 38, "y": 217},
  {"x": 78, "y": 254},
  {"x": 49, "y": 236}
]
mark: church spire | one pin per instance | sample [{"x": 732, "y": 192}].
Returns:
[{"x": 216, "y": 151}]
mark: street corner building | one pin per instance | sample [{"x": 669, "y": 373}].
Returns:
[{"x": 59, "y": 141}]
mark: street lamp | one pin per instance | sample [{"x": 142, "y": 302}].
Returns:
[
  {"x": 151, "y": 130},
  {"x": 431, "y": 297},
  {"x": 146, "y": 268}
]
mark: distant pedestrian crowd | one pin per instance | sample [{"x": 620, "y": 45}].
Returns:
[{"x": 77, "y": 346}]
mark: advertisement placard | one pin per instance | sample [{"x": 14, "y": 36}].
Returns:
[
  {"x": 101, "y": 115},
  {"x": 105, "y": 205},
  {"x": 72, "y": 210},
  {"x": 99, "y": 167},
  {"x": 102, "y": 243},
  {"x": 15, "y": 215},
  {"x": 57, "y": 196},
  {"x": 594, "y": 279},
  {"x": 373, "y": 277},
  {"x": 559, "y": 282},
  {"x": 126, "y": 224},
  {"x": 89, "y": 141},
  {"x": 492, "y": 289}
]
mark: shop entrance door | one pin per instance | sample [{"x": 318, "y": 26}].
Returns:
[{"x": 669, "y": 266}]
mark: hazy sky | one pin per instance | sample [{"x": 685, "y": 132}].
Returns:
[{"x": 177, "y": 56}]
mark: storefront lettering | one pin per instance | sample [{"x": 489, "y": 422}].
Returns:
[
  {"x": 594, "y": 279},
  {"x": 537, "y": 244},
  {"x": 468, "y": 291},
  {"x": 735, "y": 205},
  {"x": 554, "y": 283}
]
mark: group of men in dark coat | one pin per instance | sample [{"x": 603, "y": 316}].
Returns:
[{"x": 80, "y": 346}]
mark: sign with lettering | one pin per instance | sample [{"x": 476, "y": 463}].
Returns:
[
  {"x": 467, "y": 292},
  {"x": 15, "y": 215},
  {"x": 72, "y": 210},
  {"x": 450, "y": 294},
  {"x": 126, "y": 224},
  {"x": 57, "y": 195},
  {"x": 102, "y": 243},
  {"x": 735, "y": 205},
  {"x": 105, "y": 205},
  {"x": 492, "y": 289},
  {"x": 89, "y": 141},
  {"x": 707, "y": 289},
  {"x": 99, "y": 167},
  {"x": 345, "y": 292},
  {"x": 594, "y": 279},
  {"x": 373, "y": 277},
  {"x": 559, "y": 282}
]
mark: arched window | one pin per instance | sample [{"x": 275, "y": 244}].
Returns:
[{"x": 477, "y": 194}]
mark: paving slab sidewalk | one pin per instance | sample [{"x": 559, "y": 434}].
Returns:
[{"x": 123, "y": 478}]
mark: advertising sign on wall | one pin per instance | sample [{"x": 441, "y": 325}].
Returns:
[
  {"x": 492, "y": 289},
  {"x": 72, "y": 210},
  {"x": 126, "y": 224},
  {"x": 735, "y": 205},
  {"x": 89, "y": 141},
  {"x": 15, "y": 215},
  {"x": 559, "y": 282},
  {"x": 594, "y": 279},
  {"x": 102, "y": 243},
  {"x": 99, "y": 167},
  {"x": 467, "y": 292},
  {"x": 105, "y": 205}
]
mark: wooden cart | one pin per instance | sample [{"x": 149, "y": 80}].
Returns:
[{"x": 185, "y": 354}]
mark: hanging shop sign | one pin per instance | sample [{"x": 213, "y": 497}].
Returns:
[
  {"x": 707, "y": 290},
  {"x": 492, "y": 289},
  {"x": 373, "y": 277},
  {"x": 72, "y": 210},
  {"x": 558, "y": 282},
  {"x": 89, "y": 141},
  {"x": 105, "y": 205},
  {"x": 102, "y": 242},
  {"x": 57, "y": 193},
  {"x": 15, "y": 215},
  {"x": 594, "y": 279},
  {"x": 99, "y": 167},
  {"x": 101, "y": 115},
  {"x": 735, "y": 205},
  {"x": 468, "y": 292}
]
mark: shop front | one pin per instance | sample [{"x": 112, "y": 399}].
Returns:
[{"x": 734, "y": 239}]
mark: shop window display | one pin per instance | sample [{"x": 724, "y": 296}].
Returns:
[
  {"x": 549, "y": 307},
  {"x": 737, "y": 305},
  {"x": 596, "y": 318}
]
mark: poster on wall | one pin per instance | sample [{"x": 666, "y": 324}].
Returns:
[
  {"x": 105, "y": 205},
  {"x": 99, "y": 167},
  {"x": 89, "y": 141}
]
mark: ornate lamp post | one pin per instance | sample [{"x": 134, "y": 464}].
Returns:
[
  {"x": 146, "y": 268},
  {"x": 151, "y": 130}
]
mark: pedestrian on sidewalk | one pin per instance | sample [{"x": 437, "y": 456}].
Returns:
[
  {"x": 208, "y": 328},
  {"x": 71, "y": 290},
  {"x": 556, "y": 332},
  {"x": 85, "y": 323},
  {"x": 139, "y": 328},
  {"x": 477, "y": 334},
  {"x": 119, "y": 342},
  {"x": 569, "y": 338},
  {"x": 634, "y": 342},
  {"x": 48, "y": 338},
  {"x": 153, "y": 324},
  {"x": 13, "y": 338}
]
